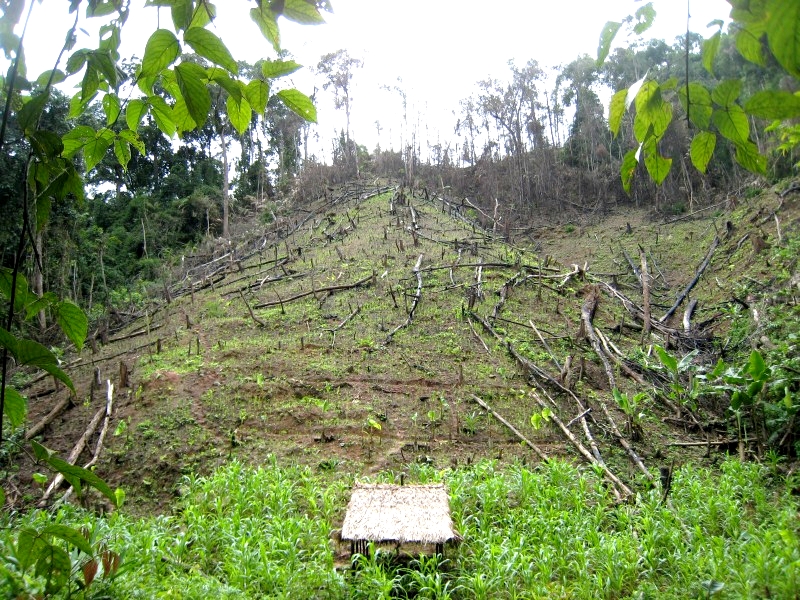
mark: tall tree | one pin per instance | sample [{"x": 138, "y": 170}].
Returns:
[{"x": 338, "y": 69}]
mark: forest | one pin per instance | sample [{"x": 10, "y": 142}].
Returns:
[{"x": 580, "y": 316}]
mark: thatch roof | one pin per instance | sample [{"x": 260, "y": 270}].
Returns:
[{"x": 381, "y": 512}]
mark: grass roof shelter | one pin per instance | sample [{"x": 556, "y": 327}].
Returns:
[{"x": 398, "y": 514}]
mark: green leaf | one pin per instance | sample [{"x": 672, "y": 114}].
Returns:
[
  {"x": 302, "y": 11},
  {"x": 69, "y": 535},
  {"x": 257, "y": 94},
  {"x": 645, "y": 16},
  {"x": 15, "y": 408},
  {"x": 90, "y": 84},
  {"x": 702, "y": 149},
  {"x": 616, "y": 111},
  {"x": 732, "y": 123},
  {"x": 204, "y": 13},
  {"x": 30, "y": 546},
  {"x": 226, "y": 82},
  {"x": 756, "y": 367},
  {"x": 265, "y": 19},
  {"x": 112, "y": 108},
  {"x": 239, "y": 114},
  {"x": 72, "y": 320},
  {"x": 666, "y": 359},
  {"x": 748, "y": 43},
  {"x": 686, "y": 361},
  {"x": 22, "y": 295},
  {"x": 697, "y": 103},
  {"x": 272, "y": 69},
  {"x": 606, "y": 38},
  {"x": 750, "y": 158},
  {"x": 134, "y": 112},
  {"x": 161, "y": 51},
  {"x": 162, "y": 114},
  {"x": 299, "y": 103},
  {"x": 181, "y": 13},
  {"x": 54, "y": 566},
  {"x": 727, "y": 92},
  {"x": 101, "y": 61},
  {"x": 76, "y": 61},
  {"x": 773, "y": 104},
  {"x": 28, "y": 352},
  {"x": 783, "y": 34},
  {"x": 28, "y": 115},
  {"x": 96, "y": 148},
  {"x": 628, "y": 168},
  {"x": 194, "y": 91},
  {"x": 72, "y": 472},
  {"x": 122, "y": 151},
  {"x": 657, "y": 165},
  {"x": 54, "y": 77},
  {"x": 183, "y": 120},
  {"x": 47, "y": 144},
  {"x": 75, "y": 139},
  {"x": 710, "y": 49},
  {"x": 209, "y": 46},
  {"x": 133, "y": 139}
]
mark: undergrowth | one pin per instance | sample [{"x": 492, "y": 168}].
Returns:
[{"x": 550, "y": 532}]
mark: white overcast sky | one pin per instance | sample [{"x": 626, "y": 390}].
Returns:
[{"x": 439, "y": 48}]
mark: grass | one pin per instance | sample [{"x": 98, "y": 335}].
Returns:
[{"x": 549, "y": 532}]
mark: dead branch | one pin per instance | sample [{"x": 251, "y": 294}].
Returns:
[
  {"x": 687, "y": 315},
  {"x": 333, "y": 288},
  {"x": 414, "y": 302},
  {"x": 645, "y": 279},
  {"x": 57, "y": 410},
  {"x": 513, "y": 429},
  {"x": 694, "y": 281},
  {"x": 258, "y": 321},
  {"x": 475, "y": 333},
  {"x": 545, "y": 344}
]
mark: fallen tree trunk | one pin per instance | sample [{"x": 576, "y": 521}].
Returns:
[
  {"x": 333, "y": 288},
  {"x": 694, "y": 281},
  {"x": 57, "y": 410},
  {"x": 417, "y": 295},
  {"x": 513, "y": 430}
]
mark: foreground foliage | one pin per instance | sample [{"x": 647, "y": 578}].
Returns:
[{"x": 552, "y": 531}]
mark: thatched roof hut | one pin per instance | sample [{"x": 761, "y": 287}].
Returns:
[{"x": 385, "y": 513}]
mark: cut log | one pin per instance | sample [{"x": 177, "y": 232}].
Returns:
[
  {"x": 540, "y": 453},
  {"x": 694, "y": 281},
  {"x": 57, "y": 410}
]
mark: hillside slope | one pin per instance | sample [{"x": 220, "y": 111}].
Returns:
[{"x": 359, "y": 334}]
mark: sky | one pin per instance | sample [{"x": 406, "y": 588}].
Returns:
[{"x": 439, "y": 49}]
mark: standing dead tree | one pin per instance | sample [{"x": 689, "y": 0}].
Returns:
[{"x": 417, "y": 296}]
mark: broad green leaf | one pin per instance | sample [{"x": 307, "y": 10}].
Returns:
[
  {"x": 183, "y": 120},
  {"x": 783, "y": 34},
  {"x": 204, "y": 13},
  {"x": 657, "y": 165},
  {"x": 301, "y": 11},
  {"x": 40, "y": 303},
  {"x": 645, "y": 17},
  {"x": 299, "y": 103},
  {"x": 702, "y": 149},
  {"x": 75, "y": 139},
  {"x": 15, "y": 407},
  {"x": 616, "y": 111},
  {"x": 756, "y": 367},
  {"x": 209, "y": 46},
  {"x": 69, "y": 535},
  {"x": 28, "y": 115},
  {"x": 96, "y": 148},
  {"x": 181, "y": 13},
  {"x": 710, "y": 49},
  {"x": 226, "y": 82},
  {"x": 122, "y": 151},
  {"x": 666, "y": 359},
  {"x": 265, "y": 19},
  {"x": 606, "y": 38},
  {"x": 134, "y": 112},
  {"x": 773, "y": 104},
  {"x": 53, "y": 77},
  {"x": 190, "y": 79},
  {"x": 257, "y": 94},
  {"x": 85, "y": 475},
  {"x": 748, "y": 43},
  {"x": 90, "y": 84},
  {"x": 732, "y": 123},
  {"x": 54, "y": 566},
  {"x": 686, "y": 361},
  {"x": 162, "y": 114},
  {"x": 134, "y": 140},
  {"x": 161, "y": 51},
  {"x": 697, "y": 103},
  {"x": 72, "y": 319},
  {"x": 239, "y": 114},
  {"x": 727, "y": 92},
  {"x": 112, "y": 108},
  {"x": 76, "y": 61},
  {"x": 101, "y": 61},
  {"x": 748, "y": 156},
  {"x": 22, "y": 295},
  {"x": 47, "y": 144},
  {"x": 30, "y": 546},
  {"x": 101, "y": 8},
  {"x": 628, "y": 168},
  {"x": 272, "y": 69},
  {"x": 78, "y": 105}
]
